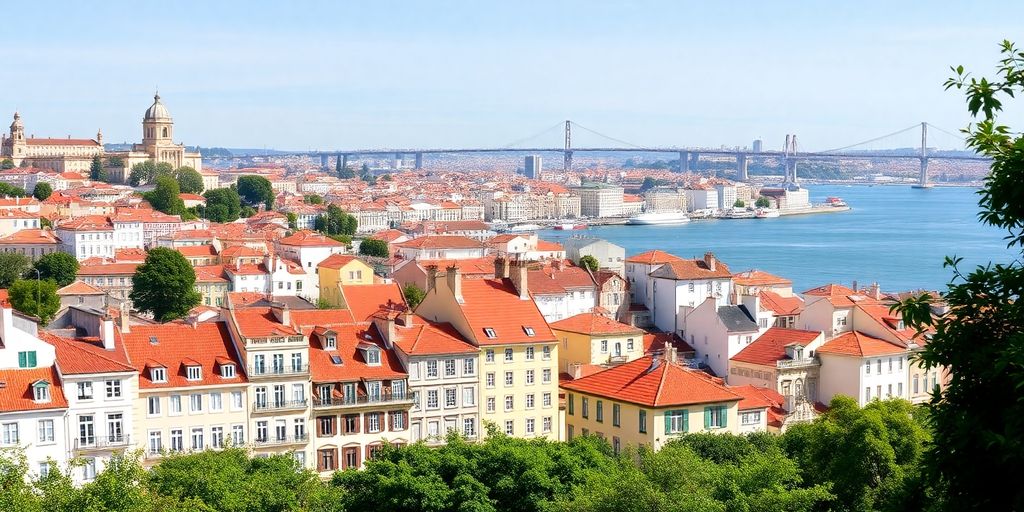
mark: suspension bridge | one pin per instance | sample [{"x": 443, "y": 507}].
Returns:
[{"x": 688, "y": 156}]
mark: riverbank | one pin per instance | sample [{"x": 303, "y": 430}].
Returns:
[{"x": 821, "y": 208}]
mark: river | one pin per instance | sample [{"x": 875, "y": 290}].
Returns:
[{"x": 895, "y": 235}]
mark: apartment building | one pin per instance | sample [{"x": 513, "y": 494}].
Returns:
[
  {"x": 340, "y": 270},
  {"x": 599, "y": 199},
  {"x": 592, "y": 339},
  {"x": 688, "y": 283},
  {"x": 86, "y": 237}
]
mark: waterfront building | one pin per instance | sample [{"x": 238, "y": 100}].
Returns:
[
  {"x": 726, "y": 195},
  {"x": 664, "y": 199},
  {"x": 752, "y": 282},
  {"x": 60, "y": 155},
  {"x": 599, "y": 199},
  {"x": 686, "y": 282},
  {"x": 701, "y": 198},
  {"x": 863, "y": 367},
  {"x": 638, "y": 270}
]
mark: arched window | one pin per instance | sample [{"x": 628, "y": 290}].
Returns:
[{"x": 165, "y": 132}]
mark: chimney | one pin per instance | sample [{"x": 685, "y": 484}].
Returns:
[
  {"x": 671, "y": 356},
  {"x": 710, "y": 261},
  {"x": 575, "y": 370},
  {"x": 854, "y": 286},
  {"x": 875, "y": 292},
  {"x": 431, "y": 277},
  {"x": 125, "y": 316},
  {"x": 385, "y": 324},
  {"x": 500, "y": 267},
  {"x": 107, "y": 332},
  {"x": 405, "y": 317},
  {"x": 282, "y": 312},
  {"x": 518, "y": 275},
  {"x": 454, "y": 278}
]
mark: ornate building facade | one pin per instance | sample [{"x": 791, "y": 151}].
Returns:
[
  {"x": 61, "y": 155},
  {"x": 157, "y": 145}
]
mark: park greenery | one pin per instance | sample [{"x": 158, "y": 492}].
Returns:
[
  {"x": 373, "y": 247},
  {"x": 256, "y": 191},
  {"x": 8, "y": 190},
  {"x": 335, "y": 222},
  {"x": 13, "y": 266},
  {"x": 35, "y": 297},
  {"x": 60, "y": 267},
  {"x": 222, "y": 205},
  {"x": 42, "y": 191},
  {"x": 165, "y": 285}
]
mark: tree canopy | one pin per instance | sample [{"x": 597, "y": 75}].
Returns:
[
  {"x": 589, "y": 262},
  {"x": 189, "y": 180},
  {"x": 165, "y": 285},
  {"x": 42, "y": 191},
  {"x": 762, "y": 202},
  {"x": 13, "y": 266},
  {"x": 147, "y": 171},
  {"x": 6, "y": 189},
  {"x": 256, "y": 191},
  {"x": 166, "y": 196},
  {"x": 413, "y": 294},
  {"x": 222, "y": 205},
  {"x": 60, "y": 267},
  {"x": 23, "y": 296},
  {"x": 335, "y": 222},
  {"x": 96, "y": 170},
  {"x": 7, "y": 163},
  {"x": 374, "y": 247}
]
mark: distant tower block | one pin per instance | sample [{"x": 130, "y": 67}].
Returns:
[
  {"x": 533, "y": 167},
  {"x": 757, "y": 145}
]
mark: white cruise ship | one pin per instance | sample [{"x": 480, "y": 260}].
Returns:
[{"x": 659, "y": 218}]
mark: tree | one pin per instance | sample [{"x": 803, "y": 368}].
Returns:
[
  {"x": 115, "y": 161},
  {"x": 12, "y": 266},
  {"x": 45, "y": 223},
  {"x": 165, "y": 285},
  {"x": 589, "y": 262},
  {"x": 313, "y": 199},
  {"x": 762, "y": 202},
  {"x": 96, "y": 170},
  {"x": 166, "y": 197},
  {"x": 23, "y": 296},
  {"x": 147, "y": 171},
  {"x": 189, "y": 180},
  {"x": 7, "y": 164},
  {"x": 335, "y": 222},
  {"x": 9, "y": 190},
  {"x": 374, "y": 247},
  {"x": 42, "y": 191},
  {"x": 292, "y": 220},
  {"x": 387, "y": 177},
  {"x": 59, "y": 267},
  {"x": 976, "y": 420},
  {"x": 246, "y": 212},
  {"x": 739, "y": 204},
  {"x": 413, "y": 294},
  {"x": 256, "y": 190},
  {"x": 222, "y": 205}
]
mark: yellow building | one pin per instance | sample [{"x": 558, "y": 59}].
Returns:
[
  {"x": 341, "y": 270},
  {"x": 157, "y": 145},
  {"x": 61, "y": 155},
  {"x": 649, "y": 402},
  {"x": 593, "y": 339},
  {"x": 519, "y": 367}
]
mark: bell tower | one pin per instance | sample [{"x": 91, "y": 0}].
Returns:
[
  {"x": 16, "y": 146},
  {"x": 157, "y": 125}
]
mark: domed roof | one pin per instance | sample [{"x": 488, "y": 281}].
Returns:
[
  {"x": 157, "y": 110},
  {"x": 17, "y": 119}
]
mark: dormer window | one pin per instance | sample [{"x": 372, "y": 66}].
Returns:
[
  {"x": 227, "y": 371},
  {"x": 331, "y": 343},
  {"x": 489, "y": 332},
  {"x": 900, "y": 325},
  {"x": 373, "y": 356},
  {"x": 194, "y": 372},
  {"x": 158, "y": 374},
  {"x": 529, "y": 331},
  {"x": 41, "y": 391}
]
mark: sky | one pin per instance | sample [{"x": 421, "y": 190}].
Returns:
[{"x": 384, "y": 74}]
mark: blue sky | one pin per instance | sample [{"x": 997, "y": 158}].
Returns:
[{"x": 324, "y": 75}]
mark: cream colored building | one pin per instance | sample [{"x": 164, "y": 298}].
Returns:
[
  {"x": 61, "y": 155},
  {"x": 157, "y": 145},
  {"x": 593, "y": 339}
]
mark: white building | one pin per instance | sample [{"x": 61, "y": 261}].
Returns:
[
  {"x": 701, "y": 199},
  {"x": 599, "y": 199},
  {"x": 608, "y": 255},
  {"x": 638, "y": 270},
  {"x": 726, "y": 196},
  {"x": 862, "y": 367},
  {"x": 441, "y": 247},
  {"x": 86, "y": 237},
  {"x": 717, "y": 332},
  {"x": 686, "y": 283}
]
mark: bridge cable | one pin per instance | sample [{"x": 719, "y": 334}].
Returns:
[
  {"x": 876, "y": 139},
  {"x": 620, "y": 141},
  {"x": 947, "y": 132},
  {"x": 534, "y": 136}
]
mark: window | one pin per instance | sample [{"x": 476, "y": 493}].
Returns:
[
  {"x": 332, "y": 343},
  {"x": 27, "y": 359},
  {"x": 45, "y": 431},
  {"x": 217, "y": 437},
  {"x": 490, "y": 379},
  {"x": 867, "y": 394},
  {"x": 86, "y": 431},
  {"x": 676, "y": 421},
  {"x": 155, "y": 442},
  {"x": 175, "y": 401},
  {"x": 529, "y": 401},
  {"x": 350, "y": 423},
  {"x": 227, "y": 371},
  {"x": 195, "y": 373},
  {"x": 571, "y": 399},
  {"x": 158, "y": 374},
  {"x": 468, "y": 367},
  {"x": 490, "y": 404},
  {"x": 916, "y": 388},
  {"x": 600, "y": 411},
  {"x": 469, "y": 427},
  {"x": 398, "y": 420},
  {"x": 751, "y": 418},
  {"x": 508, "y": 355},
  {"x": 216, "y": 402},
  {"x": 197, "y": 439},
  {"x": 890, "y": 365},
  {"x": 615, "y": 415},
  {"x": 177, "y": 440},
  {"x": 154, "y": 405},
  {"x": 643, "y": 422},
  {"x": 489, "y": 356},
  {"x": 629, "y": 344},
  {"x": 373, "y": 422},
  {"x": 529, "y": 353},
  {"x": 236, "y": 400},
  {"x": 546, "y": 353},
  {"x": 468, "y": 396},
  {"x": 508, "y": 378},
  {"x": 195, "y": 403},
  {"x": 546, "y": 424},
  {"x": 867, "y": 367},
  {"x": 89, "y": 469},
  {"x": 715, "y": 417},
  {"x": 237, "y": 435},
  {"x": 373, "y": 356},
  {"x": 586, "y": 407},
  {"x": 879, "y": 366},
  {"x": 432, "y": 399},
  {"x": 889, "y": 391},
  {"x": 297, "y": 365},
  {"x": 899, "y": 389},
  {"x": 113, "y": 388},
  {"x": 450, "y": 397},
  {"x": 85, "y": 390},
  {"x": 546, "y": 399},
  {"x": 509, "y": 403},
  {"x": 326, "y": 425},
  {"x": 489, "y": 332},
  {"x": 41, "y": 391},
  {"x": 530, "y": 426},
  {"x": 509, "y": 427},
  {"x": 10, "y": 433},
  {"x": 604, "y": 346},
  {"x": 281, "y": 429},
  {"x": 449, "y": 368}
]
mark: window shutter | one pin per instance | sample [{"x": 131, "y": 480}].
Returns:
[
  {"x": 319, "y": 427},
  {"x": 320, "y": 460},
  {"x": 391, "y": 421},
  {"x": 707, "y": 418},
  {"x": 725, "y": 417},
  {"x": 32, "y": 359},
  {"x": 335, "y": 460},
  {"x": 366, "y": 422},
  {"x": 23, "y": 361},
  {"x": 668, "y": 421},
  {"x": 356, "y": 423},
  {"x": 686, "y": 420}
]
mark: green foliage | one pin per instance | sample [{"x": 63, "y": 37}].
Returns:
[
  {"x": 7, "y": 163},
  {"x": 589, "y": 262},
  {"x": 23, "y": 295},
  {"x": 222, "y": 205},
  {"x": 8, "y": 190},
  {"x": 256, "y": 190},
  {"x": 246, "y": 212},
  {"x": 650, "y": 183},
  {"x": 12, "y": 267},
  {"x": 336, "y": 222},
  {"x": 189, "y": 180},
  {"x": 147, "y": 171},
  {"x": 60, "y": 267},
  {"x": 96, "y": 170},
  {"x": 387, "y": 177},
  {"x": 413, "y": 294},
  {"x": 45, "y": 223},
  {"x": 374, "y": 247},
  {"x": 323, "y": 303},
  {"x": 762, "y": 202},
  {"x": 42, "y": 191},
  {"x": 978, "y": 419},
  {"x": 165, "y": 285},
  {"x": 115, "y": 161},
  {"x": 739, "y": 204},
  {"x": 313, "y": 199},
  {"x": 166, "y": 196},
  {"x": 293, "y": 220},
  {"x": 345, "y": 239}
]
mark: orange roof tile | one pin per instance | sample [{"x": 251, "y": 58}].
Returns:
[
  {"x": 656, "y": 341},
  {"x": 691, "y": 269},
  {"x": 484, "y": 297},
  {"x": 890, "y": 320},
  {"x": 783, "y": 306},
  {"x": 756, "y": 277},
  {"x": 336, "y": 261},
  {"x": 172, "y": 344},
  {"x": 553, "y": 281},
  {"x": 314, "y": 317},
  {"x": 441, "y": 242},
  {"x": 666, "y": 385},
  {"x": 353, "y": 366},
  {"x": 31, "y": 236},
  {"x": 260, "y": 322},
  {"x": 655, "y": 257},
  {"x": 593, "y": 323},
  {"x": 80, "y": 288},
  {"x": 855, "y": 343},
  {"x": 363, "y": 300},
  {"x": 87, "y": 355},
  {"x": 105, "y": 269},
  {"x": 17, "y": 395},
  {"x": 771, "y": 346},
  {"x": 430, "y": 338},
  {"x": 197, "y": 251},
  {"x": 308, "y": 238}
]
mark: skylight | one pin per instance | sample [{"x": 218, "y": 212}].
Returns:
[
  {"x": 529, "y": 330},
  {"x": 489, "y": 332},
  {"x": 336, "y": 359}
]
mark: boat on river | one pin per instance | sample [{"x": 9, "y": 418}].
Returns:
[{"x": 659, "y": 219}]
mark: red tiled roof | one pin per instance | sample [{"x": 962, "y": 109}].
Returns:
[
  {"x": 855, "y": 343},
  {"x": 551, "y": 281},
  {"x": 427, "y": 338},
  {"x": 308, "y": 238},
  {"x": 130, "y": 255},
  {"x": 890, "y": 321},
  {"x": 781, "y": 306},
  {"x": 353, "y": 367},
  {"x": 61, "y": 142},
  {"x": 389, "y": 235},
  {"x": 656, "y": 341},
  {"x": 756, "y": 277},
  {"x": 261, "y": 323},
  {"x": 210, "y": 274},
  {"x": 771, "y": 346},
  {"x": 16, "y": 394},
  {"x": 666, "y": 385},
  {"x": 197, "y": 251},
  {"x": 87, "y": 223},
  {"x": 763, "y": 398},
  {"x": 441, "y": 242},
  {"x": 592, "y": 323},
  {"x": 483, "y": 298},
  {"x": 478, "y": 267},
  {"x": 336, "y": 261},
  {"x": 104, "y": 269},
  {"x": 692, "y": 269},
  {"x": 544, "y": 245},
  {"x": 363, "y": 300},
  {"x": 87, "y": 355},
  {"x": 830, "y": 290},
  {"x": 208, "y": 343},
  {"x": 655, "y": 257},
  {"x": 31, "y": 236},
  {"x": 314, "y": 317},
  {"x": 80, "y": 288}
]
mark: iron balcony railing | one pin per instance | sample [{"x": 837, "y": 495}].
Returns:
[
  {"x": 383, "y": 398},
  {"x": 280, "y": 440},
  {"x": 278, "y": 405},
  {"x": 783, "y": 364},
  {"x": 277, "y": 371},
  {"x": 101, "y": 442}
]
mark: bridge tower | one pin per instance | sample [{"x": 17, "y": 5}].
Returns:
[
  {"x": 684, "y": 161},
  {"x": 923, "y": 179},
  {"x": 324, "y": 158},
  {"x": 741, "y": 166},
  {"x": 419, "y": 161},
  {"x": 567, "y": 162}
]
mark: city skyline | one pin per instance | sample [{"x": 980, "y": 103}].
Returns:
[{"x": 461, "y": 75}]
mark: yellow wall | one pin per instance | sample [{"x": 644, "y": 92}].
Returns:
[
  {"x": 519, "y": 389},
  {"x": 585, "y": 348},
  {"x": 331, "y": 277},
  {"x": 628, "y": 431}
]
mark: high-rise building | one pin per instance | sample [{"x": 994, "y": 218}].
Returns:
[
  {"x": 533, "y": 167},
  {"x": 757, "y": 145}
]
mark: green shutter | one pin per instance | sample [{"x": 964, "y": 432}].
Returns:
[
  {"x": 725, "y": 418},
  {"x": 32, "y": 359},
  {"x": 23, "y": 361},
  {"x": 668, "y": 422},
  {"x": 707, "y": 418},
  {"x": 686, "y": 420}
]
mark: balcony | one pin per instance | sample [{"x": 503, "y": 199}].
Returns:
[
  {"x": 271, "y": 372},
  {"x": 279, "y": 405},
  {"x": 788, "y": 364},
  {"x": 280, "y": 441},
  {"x": 363, "y": 401},
  {"x": 101, "y": 443},
  {"x": 618, "y": 359}
]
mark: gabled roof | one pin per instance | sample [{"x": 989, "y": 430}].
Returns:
[
  {"x": 173, "y": 344},
  {"x": 86, "y": 355},
  {"x": 595, "y": 324},
  {"x": 320, "y": 317},
  {"x": 105, "y": 269},
  {"x": 363, "y": 300},
  {"x": 196, "y": 251},
  {"x": 656, "y": 341},
  {"x": 781, "y": 306},
  {"x": 756, "y": 277},
  {"x": 349, "y": 338},
  {"x": 665, "y": 385},
  {"x": 337, "y": 261},
  {"x": 16, "y": 393},
  {"x": 856, "y": 343},
  {"x": 31, "y": 236},
  {"x": 431, "y": 338},
  {"x": 260, "y": 322},
  {"x": 495, "y": 304},
  {"x": 308, "y": 238},
  {"x": 686, "y": 270},
  {"x": 655, "y": 257},
  {"x": 549, "y": 280},
  {"x": 80, "y": 288},
  {"x": 770, "y": 347},
  {"x": 762, "y": 398},
  {"x": 890, "y": 321},
  {"x": 441, "y": 242},
  {"x": 840, "y": 296},
  {"x": 737, "y": 318}
]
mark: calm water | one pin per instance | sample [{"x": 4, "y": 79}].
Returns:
[{"x": 895, "y": 235}]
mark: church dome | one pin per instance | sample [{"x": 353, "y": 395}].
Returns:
[{"x": 157, "y": 110}]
